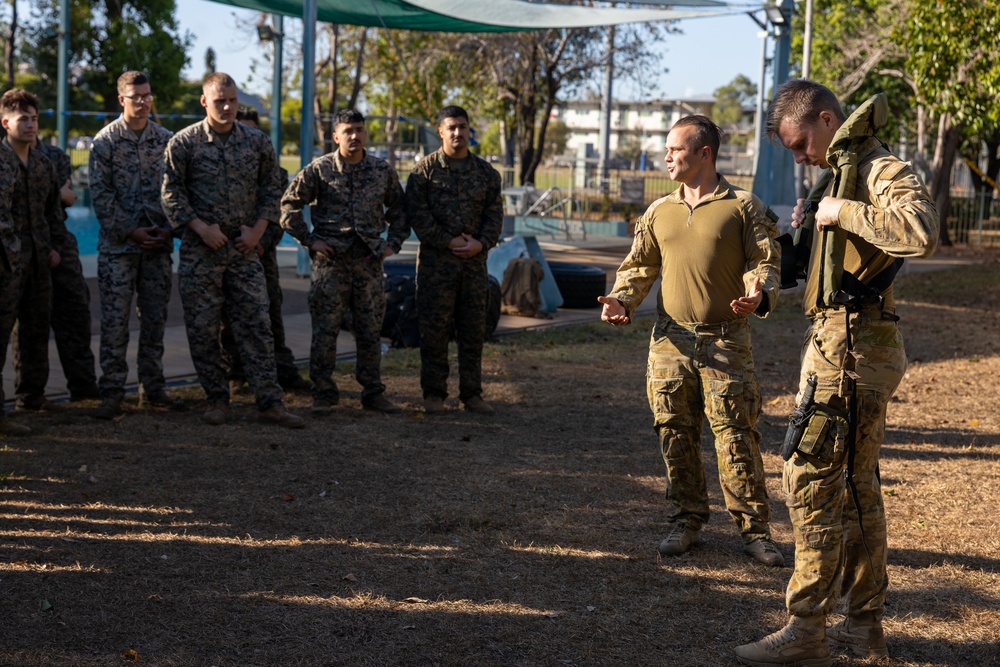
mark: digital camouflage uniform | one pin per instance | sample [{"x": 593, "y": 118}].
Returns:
[
  {"x": 284, "y": 358},
  {"x": 70, "y": 318},
  {"x": 230, "y": 182},
  {"x": 446, "y": 198},
  {"x": 34, "y": 209},
  {"x": 892, "y": 216},
  {"x": 126, "y": 173},
  {"x": 11, "y": 270},
  {"x": 700, "y": 360},
  {"x": 351, "y": 205}
]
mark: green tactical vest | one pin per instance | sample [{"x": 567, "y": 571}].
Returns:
[{"x": 843, "y": 160}]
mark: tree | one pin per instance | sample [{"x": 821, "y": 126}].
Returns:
[
  {"x": 9, "y": 44},
  {"x": 729, "y": 102},
  {"x": 209, "y": 61}
]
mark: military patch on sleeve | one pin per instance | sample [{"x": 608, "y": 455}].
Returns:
[{"x": 772, "y": 216}]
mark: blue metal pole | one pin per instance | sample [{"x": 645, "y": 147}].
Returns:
[
  {"x": 774, "y": 181},
  {"x": 279, "y": 41},
  {"x": 308, "y": 91},
  {"x": 62, "y": 87}
]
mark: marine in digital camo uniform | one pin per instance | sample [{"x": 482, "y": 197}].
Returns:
[
  {"x": 267, "y": 250},
  {"x": 713, "y": 247},
  {"x": 134, "y": 245},
  {"x": 10, "y": 274},
  {"x": 839, "y": 554},
  {"x": 353, "y": 198},
  {"x": 453, "y": 204},
  {"x": 70, "y": 317},
  {"x": 220, "y": 187},
  {"x": 35, "y": 211}
]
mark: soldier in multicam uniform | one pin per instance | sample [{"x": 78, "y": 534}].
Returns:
[
  {"x": 34, "y": 210},
  {"x": 11, "y": 274},
  {"x": 220, "y": 187},
  {"x": 453, "y": 203},
  {"x": 135, "y": 246},
  {"x": 713, "y": 247},
  {"x": 353, "y": 197},
  {"x": 70, "y": 318},
  {"x": 267, "y": 250},
  {"x": 837, "y": 553}
]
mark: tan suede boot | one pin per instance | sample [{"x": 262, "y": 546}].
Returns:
[
  {"x": 801, "y": 643},
  {"x": 859, "y": 635}
]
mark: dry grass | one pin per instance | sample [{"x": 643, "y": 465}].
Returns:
[{"x": 527, "y": 539}]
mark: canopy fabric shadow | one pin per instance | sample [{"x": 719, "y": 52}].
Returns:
[{"x": 482, "y": 16}]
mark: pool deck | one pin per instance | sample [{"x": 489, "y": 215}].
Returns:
[{"x": 604, "y": 252}]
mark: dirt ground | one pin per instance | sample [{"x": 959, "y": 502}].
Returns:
[{"x": 524, "y": 539}]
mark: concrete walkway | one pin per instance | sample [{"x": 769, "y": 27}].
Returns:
[{"x": 604, "y": 252}]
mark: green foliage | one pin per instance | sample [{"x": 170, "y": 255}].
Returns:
[{"x": 730, "y": 99}]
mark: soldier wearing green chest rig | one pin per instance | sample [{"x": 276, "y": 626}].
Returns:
[{"x": 872, "y": 212}]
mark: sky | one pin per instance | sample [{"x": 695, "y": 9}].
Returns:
[{"x": 710, "y": 53}]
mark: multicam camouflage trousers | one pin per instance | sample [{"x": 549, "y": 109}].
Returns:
[
  {"x": 71, "y": 319},
  {"x": 832, "y": 560},
  {"x": 147, "y": 277},
  {"x": 707, "y": 370},
  {"x": 209, "y": 283},
  {"x": 451, "y": 298},
  {"x": 27, "y": 298},
  {"x": 352, "y": 281}
]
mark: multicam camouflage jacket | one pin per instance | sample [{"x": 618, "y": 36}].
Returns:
[
  {"x": 35, "y": 208},
  {"x": 126, "y": 173},
  {"x": 347, "y": 202},
  {"x": 229, "y": 183},
  {"x": 442, "y": 203}
]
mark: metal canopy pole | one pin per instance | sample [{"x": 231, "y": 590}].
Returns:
[
  {"x": 62, "y": 92},
  {"x": 308, "y": 79},
  {"x": 279, "y": 43},
  {"x": 774, "y": 181}
]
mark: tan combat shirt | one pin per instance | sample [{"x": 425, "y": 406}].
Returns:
[
  {"x": 892, "y": 216},
  {"x": 706, "y": 256}
]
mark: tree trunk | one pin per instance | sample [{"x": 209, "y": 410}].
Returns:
[
  {"x": 949, "y": 136},
  {"x": 9, "y": 64},
  {"x": 352, "y": 102},
  {"x": 391, "y": 123}
]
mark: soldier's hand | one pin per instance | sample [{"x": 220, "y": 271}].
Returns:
[
  {"x": 749, "y": 303},
  {"x": 799, "y": 213},
  {"x": 211, "y": 235},
  {"x": 54, "y": 259},
  {"x": 387, "y": 252},
  {"x": 148, "y": 238},
  {"x": 322, "y": 248},
  {"x": 66, "y": 194},
  {"x": 246, "y": 242},
  {"x": 613, "y": 311},
  {"x": 828, "y": 213},
  {"x": 471, "y": 248}
]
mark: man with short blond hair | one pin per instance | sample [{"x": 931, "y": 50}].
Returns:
[
  {"x": 221, "y": 190},
  {"x": 135, "y": 246}
]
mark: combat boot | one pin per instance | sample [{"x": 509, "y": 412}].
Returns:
[
  {"x": 162, "y": 399},
  {"x": 434, "y": 405},
  {"x": 477, "y": 405},
  {"x": 109, "y": 408},
  {"x": 801, "y": 643},
  {"x": 280, "y": 416},
  {"x": 380, "y": 403},
  {"x": 679, "y": 539},
  {"x": 859, "y": 635}
]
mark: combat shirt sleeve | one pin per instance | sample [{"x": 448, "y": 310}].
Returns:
[
  {"x": 493, "y": 215},
  {"x": 173, "y": 195},
  {"x": 418, "y": 211},
  {"x": 641, "y": 267},
  {"x": 299, "y": 194},
  {"x": 55, "y": 215},
  {"x": 763, "y": 254},
  {"x": 399, "y": 228},
  {"x": 102, "y": 191},
  {"x": 901, "y": 219},
  {"x": 268, "y": 188}
]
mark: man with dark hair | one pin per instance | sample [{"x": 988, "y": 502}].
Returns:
[
  {"x": 11, "y": 276},
  {"x": 267, "y": 250},
  {"x": 70, "y": 318},
  {"x": 35, "y": 212},
  {"x": 220, "y": 187},
  {"x": 453, "y": 203},
  {"x": 134, "y": 246},
  {"x": 353, "y": 198},
  {"x": 873, "y": 211},
  {"x": 713, "y": 247}
]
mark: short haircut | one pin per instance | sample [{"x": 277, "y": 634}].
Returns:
[
  {"x": 800, "y": 101},
  {"x": 451, "y": 111},
  {"x": 347, "y": 116},
  {"x": 706, "y": 132},
  {"x": 247, "y": 113},
  {"x": 219, "y": 79},
  {"x": 131, "y": 78},
  {"x": 18, "y": 99}
]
